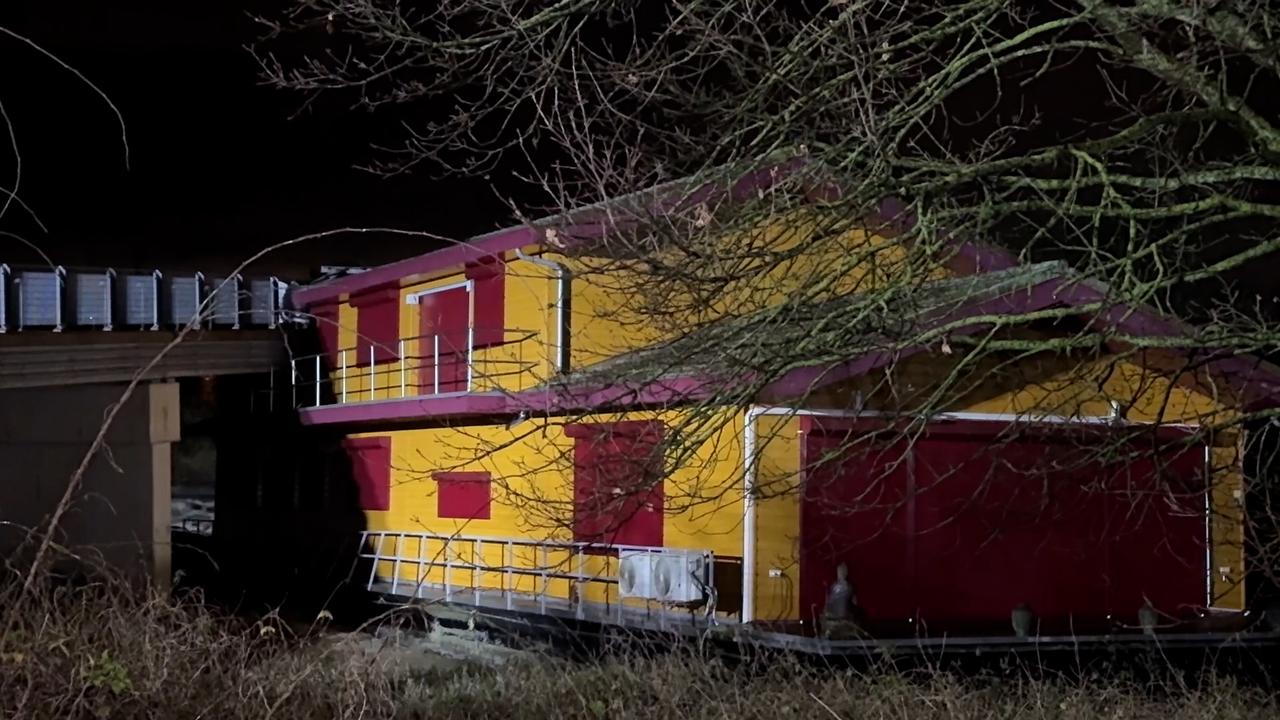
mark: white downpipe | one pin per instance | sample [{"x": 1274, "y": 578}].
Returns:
[
  {"x": 749, "y": 513},
  {"x": 564, "y": 278}
]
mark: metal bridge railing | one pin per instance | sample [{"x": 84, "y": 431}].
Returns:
[
  {"x": 57, "y": 298},
  {"x": 416, "y": 366}
]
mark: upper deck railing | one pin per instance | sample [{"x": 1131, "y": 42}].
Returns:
[{"x": 423, "y": 365}]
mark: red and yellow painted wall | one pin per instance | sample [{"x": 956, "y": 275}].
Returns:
[{"x": 489, "y": 477}]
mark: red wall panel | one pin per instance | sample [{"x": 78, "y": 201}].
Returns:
[
  {"x": 963, "y": 525},
  {"x": 463, "y": 495},
  {"x": 371, "y": 470},
  {"x": 326, "y": 322},
  {"x": 1158, "y": 511},
  {"x": 488, "y": 278},
  {"x": 617, "y": 480},
  {"x": 997, "y": 525},
  {"x": 377, "y": 325}
]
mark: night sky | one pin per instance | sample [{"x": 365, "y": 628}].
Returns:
[
  {"x": 218, "y": 167},
  {"x": 221, "y": 165}
]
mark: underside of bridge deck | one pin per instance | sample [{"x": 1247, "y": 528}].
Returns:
[{"x": 30, "y": 360}]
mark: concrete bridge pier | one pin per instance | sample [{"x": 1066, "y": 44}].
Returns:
[{"x": 120, "y": 516}]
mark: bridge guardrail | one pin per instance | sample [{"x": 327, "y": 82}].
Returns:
[{"x": 57, "y": 298}]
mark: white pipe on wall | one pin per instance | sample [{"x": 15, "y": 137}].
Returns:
[
  {"x": 564, "y": 279},
  {"x": 749, "y": 513}
]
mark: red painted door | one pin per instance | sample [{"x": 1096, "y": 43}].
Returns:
[
  {"x": 445, "y": 316},
  {"x": 617, "y": 483},
  {"x": 957, "y": 530}
]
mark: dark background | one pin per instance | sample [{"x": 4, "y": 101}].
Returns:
[{"x": 220, "y": 164}]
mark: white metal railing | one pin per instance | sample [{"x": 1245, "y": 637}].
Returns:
[
  {"x": 412, "y": 367},
  {"x": 459, "y": 565}
]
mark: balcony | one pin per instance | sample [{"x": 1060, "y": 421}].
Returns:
[{"x": 422, "y": 366}]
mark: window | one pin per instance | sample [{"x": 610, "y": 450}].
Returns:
[
  {"x": 371, "y": 470},
  {"x": 463, "y": 495},
  {"x": 378, "y": 324},
  {"x": 488, "y": 278},
  {"x": 617, "y": 481}
]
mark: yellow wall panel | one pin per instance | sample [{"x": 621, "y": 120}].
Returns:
[
  {"x": 777, "y": 511},
  {"x": 532, "y": 490}
]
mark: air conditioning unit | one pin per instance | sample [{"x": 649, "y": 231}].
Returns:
[{"x": 666, "y": 575}]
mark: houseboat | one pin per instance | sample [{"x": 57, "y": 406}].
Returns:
[{"x": 526, "y": 444}]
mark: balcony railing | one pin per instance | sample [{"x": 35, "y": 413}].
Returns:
[{"x": 424, "y": 365}]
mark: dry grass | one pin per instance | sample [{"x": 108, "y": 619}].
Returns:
[{"x": 104, "y": 651}]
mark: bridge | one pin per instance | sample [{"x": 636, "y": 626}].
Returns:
[{"x": 71, "y": 339}]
